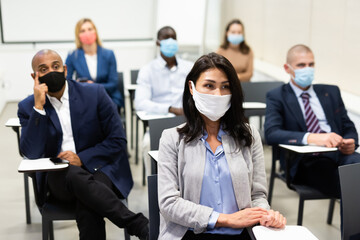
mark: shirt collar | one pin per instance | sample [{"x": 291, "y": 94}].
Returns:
[
  {"x": 220, "y": 134},
  {"x": 65, "y": 97},
  {"x": 162, "y": 63},
  {"x": 299, "y": 91}
]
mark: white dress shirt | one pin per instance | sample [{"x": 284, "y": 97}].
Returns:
[
  {"x": 315, "y": 106},
  {"x": 62, "y": 109},
  {"x": 159, "y": 87},
  {"x": 91, "y": 62}
]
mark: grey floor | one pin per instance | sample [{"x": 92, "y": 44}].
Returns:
[{"x": 12, "y": 207}]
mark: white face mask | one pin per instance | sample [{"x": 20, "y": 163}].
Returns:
[{"x": 212, "y": 106}]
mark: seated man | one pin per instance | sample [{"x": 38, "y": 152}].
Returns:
[
  {"x": 78, "y": 122},
  {"x": 300, "y": 113},
  {"x": 161, "y": 82}
]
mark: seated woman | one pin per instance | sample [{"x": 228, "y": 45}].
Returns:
[
  {"x": 91, "y": 62},
  {"x": 211, "y": 173},
  {"x": 236, "y": 50}
]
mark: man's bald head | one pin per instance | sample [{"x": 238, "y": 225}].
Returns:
[
  {"x": 40, "y": 54},
  {"x": 295, "y": 50}
]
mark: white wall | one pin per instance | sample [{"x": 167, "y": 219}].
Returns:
[
  {"x": 329, "y": 27},
  {"x": 187, "y": 17},
  {"x": 115, "y": 19}
]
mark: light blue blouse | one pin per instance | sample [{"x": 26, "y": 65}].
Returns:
[{"x": 217, "y": 190}]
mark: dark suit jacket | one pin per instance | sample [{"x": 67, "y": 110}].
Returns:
[
  {"x": 106, "y": 71},
  {"x": 97, "y": 130},
  {"x": 285, "y": 124}
]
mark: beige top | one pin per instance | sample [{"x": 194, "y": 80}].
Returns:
[{"x": 243, "y": 63}]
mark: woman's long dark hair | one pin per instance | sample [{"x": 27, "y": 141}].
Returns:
[
  {"x": 244, "y": 48},
  {"x": 234, "y": 121}
]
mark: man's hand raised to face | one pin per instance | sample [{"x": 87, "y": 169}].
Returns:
[{"x": 40, "y": 90}]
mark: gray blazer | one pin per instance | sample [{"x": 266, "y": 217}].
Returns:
[{"x": 180, "y": 173}]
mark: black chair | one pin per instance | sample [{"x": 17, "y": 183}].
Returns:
[
  {"x": 350, "y": 196},
  {"x": 52, "y": 210},
  {"x": 133, "y": 77},
  {"x": 305, "y": 192},
  {"x": 156, "y": 127},
  {"x": 256, "y": 92},
  {"x": 154, "y": 212},
  {"x": 122, "y": 111},
  {"x": 16, "y": 129}
]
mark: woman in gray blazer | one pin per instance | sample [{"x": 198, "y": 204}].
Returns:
[{"x": 211, "y": 174}]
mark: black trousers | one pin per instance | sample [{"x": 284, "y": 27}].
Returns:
[
  {"x": 190, "y": 235},
  {"x": 321, "y": 171},
  {"x": 95, "y": 197}
]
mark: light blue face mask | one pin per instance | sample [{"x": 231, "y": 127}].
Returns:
[
  {"x": 169, "y": 47},
  {"x": 304, "y": 76},
  {"x": 235, "y": 38}
]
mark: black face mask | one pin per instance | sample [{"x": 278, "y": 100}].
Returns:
[{"x": 53, "y": 80}]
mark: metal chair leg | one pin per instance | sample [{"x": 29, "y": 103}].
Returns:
[
  {"x": 27, "y": 198},
  {"x": 331, "y": 211},
  {"x": 301, "y": 211}
]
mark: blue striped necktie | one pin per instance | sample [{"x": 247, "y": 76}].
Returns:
[{"x": 311, "y": 120}]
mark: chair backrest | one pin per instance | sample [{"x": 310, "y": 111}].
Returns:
[
  {"x": 121, "y": 84},
  {"x": 256, "y": 91},
  {"x": 133, "y": 76},
  {"x": 350, "y": 196},
  {"x": 154, "y": 215},
  {"x": 157, "y": 126}
]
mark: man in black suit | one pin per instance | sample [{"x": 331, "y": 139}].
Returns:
[{"x": 301, "y": 113}]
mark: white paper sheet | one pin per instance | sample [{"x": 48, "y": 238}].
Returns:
[
  {"x": 288, "y": 233},
  {"x": 307, "y": 149},
  {"x": 41, "y": 164}
]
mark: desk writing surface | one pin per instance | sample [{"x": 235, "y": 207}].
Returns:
[
  {"x": 254, "y": 105},
  {"x": 145, "y": 116},
  {"x": 289, "y": 232},
  {"x": 307, "y": 148},
  {"x": 38, "y": 165},
  {"x": 154, "y": 154},
  {"x": 130, "y": 86},
  {"x": 13, "y": 122}
]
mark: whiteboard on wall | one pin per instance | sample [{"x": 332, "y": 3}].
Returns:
[{"x": 25, "y": 21}]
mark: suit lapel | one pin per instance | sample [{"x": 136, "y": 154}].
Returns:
[
  {"x": 238, "y": 170},
  {"x": 83, "y": 64},
  {"x": 293, "y": 105},
  {"x": 323, "y": 97},
  {"x": 50, "y": 111},
  {"x": 99, "y": 61},
  {"x": 199, "y": 151},
  {"x": 75, "y": 112}
]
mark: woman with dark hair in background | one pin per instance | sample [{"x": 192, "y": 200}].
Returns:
[
  {"x": 235, "y": 49},
  {"x": 211, "y": 173},
  {"x": 91, "y": 62}
]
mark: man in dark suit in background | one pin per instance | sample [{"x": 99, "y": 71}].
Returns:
[
  {"x": 300, "y": 113},
  {"x": 79, "y": 123}
]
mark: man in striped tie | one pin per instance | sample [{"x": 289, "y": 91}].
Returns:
[{"x": 303, "y": 113}]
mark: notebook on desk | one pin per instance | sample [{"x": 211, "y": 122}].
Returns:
[
  {"x": 38, "y": 165},
  {"x": 289, "y": 232}
]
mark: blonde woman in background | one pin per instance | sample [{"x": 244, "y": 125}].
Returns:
[
  {"x": 235, "y": 49},
  {"x": 91, "y": 62}
]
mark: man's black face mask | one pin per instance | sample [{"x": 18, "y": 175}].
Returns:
[{"x": 53, "y": 80}]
